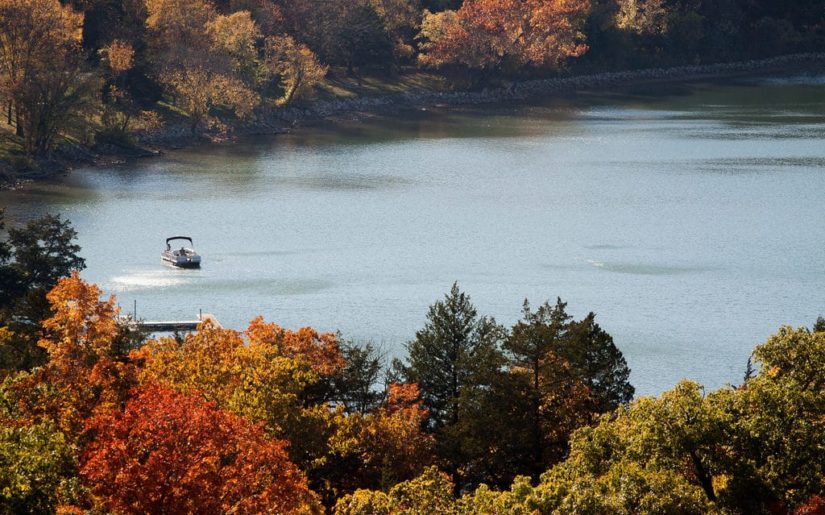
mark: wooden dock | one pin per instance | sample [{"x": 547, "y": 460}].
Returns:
[{"x": 170, "y": 326}]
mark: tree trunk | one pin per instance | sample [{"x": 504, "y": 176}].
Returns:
[
  {"x": 18, "y": 127},
  {"x": 703, "y": 476}
]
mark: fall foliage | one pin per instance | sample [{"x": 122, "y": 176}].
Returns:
[
  {"x": 540, "y": 419},
  {"x": 169, "y": 452},
  {"x": 87, "y": 71},
  {"x": 497, "y": 33},
  {"x": 40, "y": 68},
  {"x": 296, "y": 66}
]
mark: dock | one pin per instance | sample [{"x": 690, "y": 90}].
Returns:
[{"x": 170, "y": 326}]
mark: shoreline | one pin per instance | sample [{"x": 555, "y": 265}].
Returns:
[{"x": 285, "y": 120}]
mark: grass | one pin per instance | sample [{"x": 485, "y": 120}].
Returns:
[
  {"x": 10, "y": 145},
  {"x": 340, "y": 85}
]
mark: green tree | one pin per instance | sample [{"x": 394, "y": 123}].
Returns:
[
  {"x": 355, "y": 385},
  {"x": 445, "y": 354},
  {"x": 598, "y": 362},
  {"x": 32, "y": 260},
  {"x": 454, "y": 360}
]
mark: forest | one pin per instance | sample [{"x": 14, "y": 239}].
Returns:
[
  {"x": 92, "y": 73},
  {"x": 477, "y": 418}
]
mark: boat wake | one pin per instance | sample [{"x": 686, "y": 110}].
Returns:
[{"x": 147, "y": 280}]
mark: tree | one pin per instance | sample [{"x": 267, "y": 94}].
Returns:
[
  {"x": 819, "y": 325},
  {"x": 236, "y": 36},
  {"x": 753, "y": 449},
  {"x": 266, "y": 374},
  {"x": 643, "y": 17},
  {"x": 295, "y": 65},
  {"x": 598, "y": 362},
  {"x": 40, "y": 75},
  {"x": 34, "y": 460},
  {"x": 350, "y": 34},
  {"x": 401, "y": 19},
  {"x": 355, "y": 386},
  {"x": 455, "y": 359},
  {"x": 169, "y": 452},
  {"x": 495, "y": 34},
  {"x": 446, "y": 353},
  {"x": 32, "y": 261},
  {"x": 431, "y": 492},
  {"x": 381, "y": 448},
  {"x": 563, "y": 372},
  {"x": 780, "y": 428},
  {"x": 202, "y": 57},
  {"x": 198, "y": 89},
  {"x": 119, "y": 107},
  {"x": 86, "y": 371}
]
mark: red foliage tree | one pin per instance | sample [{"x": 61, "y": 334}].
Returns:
[{"x": 169, "y": 452}]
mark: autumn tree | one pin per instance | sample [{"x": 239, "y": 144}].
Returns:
[
  {"x": 267, "y": 374},
  {"x": 401, "y": 19},
  {"x": 40, "y": 69},
  {"x": 119, "y": 108},
  {"x": 295, "y": 65},
  {"x": 643, "y": 17},
  {"x": 236, "y": 36},
  {"x": 381, "y": 448},
  {"x": 496, "y": 34},
  {"x": 431, "y": 492},
  {"x": 198, "y": 89},
  {"x": 86, "y": 369},
  {"x": 169, "y": 452},
  {"x": 203, "y": 57},
  {"x": 268, "y": 14}
]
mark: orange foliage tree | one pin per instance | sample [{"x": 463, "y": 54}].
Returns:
[
  {"x": 169, "y": 452},
  {"x": 382, "y": 448},
  {"x": 490, "y": 34},
  {"x": 267, "y": 374},
  {"x": 86, "y": 371}
]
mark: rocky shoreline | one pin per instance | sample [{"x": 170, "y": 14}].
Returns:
[{"x": 284, "y": 120}]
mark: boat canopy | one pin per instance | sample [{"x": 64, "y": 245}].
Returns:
[{"x": 187, "y": 238}]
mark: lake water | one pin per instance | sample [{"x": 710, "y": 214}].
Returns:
[{"x": 689, "y": 218}]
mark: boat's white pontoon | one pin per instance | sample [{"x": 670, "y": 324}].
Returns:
[{"x": 184, "y": 257}]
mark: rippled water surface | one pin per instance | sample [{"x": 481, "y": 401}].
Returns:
[{"x": 689, "y": 218}]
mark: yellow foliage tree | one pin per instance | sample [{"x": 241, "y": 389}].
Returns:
[
  {"x": 199, "y": 88},
  {"x": 235, "y": 35},
  {"x": 40, "y": 77},
  {"x": 295, "y": 64},
  {"x": 200, "y": 56}
]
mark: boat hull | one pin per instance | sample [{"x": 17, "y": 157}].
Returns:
[{"x": 181, "y": 261}]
